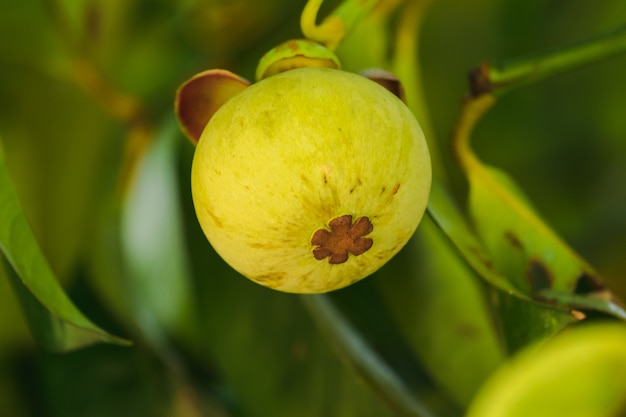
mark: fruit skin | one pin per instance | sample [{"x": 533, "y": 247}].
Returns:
[{"x": 291, "y": 153}]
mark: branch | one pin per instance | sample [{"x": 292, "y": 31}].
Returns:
[{"x": 488, "y": 78}]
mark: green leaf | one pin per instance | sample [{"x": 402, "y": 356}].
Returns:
[
  {"x": 106, "y": 381},
  {"x": 440, "y": 304},
  {"x": 601, "y": 301},
  {"x": 524, "y": 321},
  {"x": 527, "y": 251},
  {"x": 57, "y": 173},
  {"x": 53, "y": 319},
  {"x": 521, "y": 318},
  {"x": 521, "y": 247},
  {"x": 154, "y": 251},
  {"x": 36, "y": 46},
  {"x": 578, "y": 373},
  {"x": 289, "y": 368},
  {"x": 13, "y": 327},
  {"x": 443, "y": 211},
  {"x": 357, "y": 354}
]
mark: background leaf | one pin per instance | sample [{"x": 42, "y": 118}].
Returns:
[
  {"x": 524, "y": 249},
  {"x": 54, "y": 320},
  {"x": 152, "y": 238},
  {"x": 447, "y": 216},
  {"x": 518, "y": 318},
  {"x": 362, "y": 359},
  {"x": 523, "y": 322},
  {"x": 440, "y": 304}
]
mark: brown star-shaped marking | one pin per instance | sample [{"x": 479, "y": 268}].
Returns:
[{"x": 342, "y": 238}]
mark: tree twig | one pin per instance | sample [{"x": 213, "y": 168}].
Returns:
[{"x": 489, "y": 78}]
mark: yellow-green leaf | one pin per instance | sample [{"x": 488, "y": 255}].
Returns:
[
  {"x": 53, "y": 319},
  {"x": 522, "y": 247}
]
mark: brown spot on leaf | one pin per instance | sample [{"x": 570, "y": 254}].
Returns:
[
  {"x": 480, "y": 255},
  {"x": 513, "y": 240},
  {"x": 342, "y": 239},
  {"x": 587, "y": 284},
  {"x": 539, "y": 276},
  {"x": 467, "y": 331},
  {"x": 395, "y": 189}
]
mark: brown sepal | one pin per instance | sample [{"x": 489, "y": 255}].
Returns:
[
  {"x": 385, "y": 79},
  {"x": 202, "y": 95}
]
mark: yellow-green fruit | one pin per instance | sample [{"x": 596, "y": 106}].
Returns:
[{"x": 311, "y": 179}]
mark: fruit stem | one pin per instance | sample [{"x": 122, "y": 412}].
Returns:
[
  {"x": 488, "y": 78},
  {"x": 487, "y": 81},
  {"x": 405, "y": 60},
  {"x": 360, "y": 356},
  {"x": 335, "y": 26},
  {"x": 472, "y": 110},
  {"x": 406, "y": 66}
]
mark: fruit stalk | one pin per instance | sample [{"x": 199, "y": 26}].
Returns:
[
  {"x": 335, "y": 26},
  {"x": 406, "y": 66},
  {"x": 360, "y": 356},
  {"x": 488, "y": 78}
]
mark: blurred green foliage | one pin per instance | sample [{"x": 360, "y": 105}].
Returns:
[{"x": 102, "y": 173}]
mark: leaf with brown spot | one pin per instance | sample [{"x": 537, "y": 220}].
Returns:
[
  {"x": 523, "y": 248},
  {"x": 522, "y": 319},
  {"x": 516, "y": 237},
  {"x": 539, "y": 276},
  {"x": 202, "y": 95}
]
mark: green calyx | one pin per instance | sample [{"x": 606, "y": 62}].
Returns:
[{"x": 296, "y": 53}]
